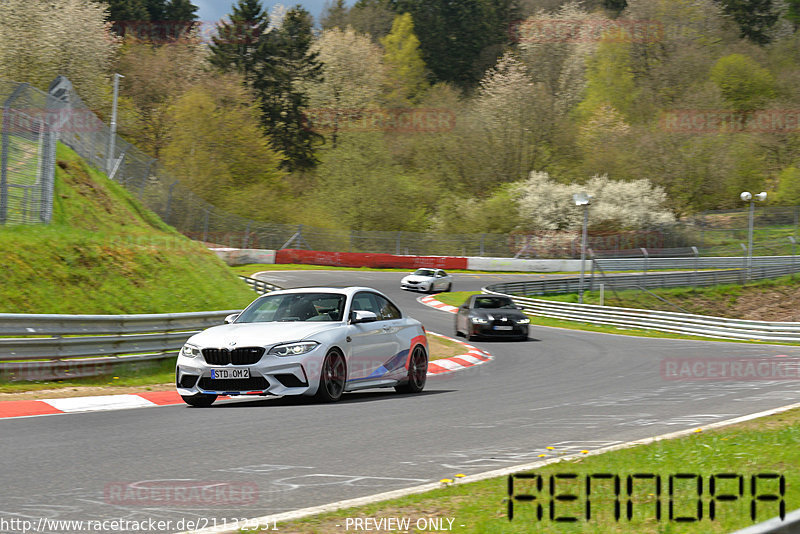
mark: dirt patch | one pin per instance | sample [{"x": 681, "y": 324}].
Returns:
[{"x": 82, "y": 391}]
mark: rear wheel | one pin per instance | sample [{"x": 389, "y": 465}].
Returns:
[
  {"x": 449, "y": 287},
  {"x": 199, "y": 400},
  {"x": 334, "y": 374},
  {"x": 417, "y": 372}
]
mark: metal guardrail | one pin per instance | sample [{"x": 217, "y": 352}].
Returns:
[
  {"x": 679, "y": 323},
  {"x": 665, "y": 321},
  {"x": 259, "y": 286},
  {"x": 691, "y": 263},
  {"x": 87, "y": 345},
  {"x": 643, "y": 280}
]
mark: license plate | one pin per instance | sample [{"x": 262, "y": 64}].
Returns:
[
  {"x": 504, "y": 328},
  {"x": 222, "y": 374}
]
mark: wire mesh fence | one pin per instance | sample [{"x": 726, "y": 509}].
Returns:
[
  {"x": 32, "y": 119},
  {"x": 28, "y": 136}
]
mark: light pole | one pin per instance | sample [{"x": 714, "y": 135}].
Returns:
[
  {"x": 111, "y": 141},
  {"x": 583, "y": 199},
  {"x": 747, "y": 197}
]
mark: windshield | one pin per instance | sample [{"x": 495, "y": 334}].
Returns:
[
  {"x": 494, "y": 303},
  {"x": 424, "y": 272},
  {"x": 294, "y": 307}
]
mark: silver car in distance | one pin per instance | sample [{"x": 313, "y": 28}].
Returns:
[
  {"x": 430, "y": 280},
  {"x": 318, "y": 342}
]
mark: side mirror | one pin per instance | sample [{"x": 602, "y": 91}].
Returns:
[
  {"x": 231, "y": 318},
  {"x": 362, "y": 316}
]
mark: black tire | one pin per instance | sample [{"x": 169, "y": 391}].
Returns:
[
  {"x": 449, "y": 287},
  {"x": 199, "y": 400},
  {"x": 417, "y": 372},
  {"x": 333, "y": 378}
]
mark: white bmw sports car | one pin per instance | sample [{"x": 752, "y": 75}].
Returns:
[
  {"x": 430, "y": 280},
  {"x": 317, "y": 341}
]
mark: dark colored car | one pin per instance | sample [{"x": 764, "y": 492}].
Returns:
[{"x": 491, "y": 316}]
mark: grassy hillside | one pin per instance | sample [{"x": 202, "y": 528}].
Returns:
[{"x": 105, "y": 253}]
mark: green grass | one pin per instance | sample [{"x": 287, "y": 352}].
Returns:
[
  {"x": 125, "y": 375},
  {"x": 764, "y": 445},
  {"x": 105, "y": 253},
  {"x": 252, "y": 268},
  {"x": 721, "y": 300}
]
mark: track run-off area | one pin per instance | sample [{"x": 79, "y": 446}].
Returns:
[{"x": 566, "y": 389}]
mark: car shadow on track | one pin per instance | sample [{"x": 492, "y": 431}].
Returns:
[{"x": 347, "y": 398}]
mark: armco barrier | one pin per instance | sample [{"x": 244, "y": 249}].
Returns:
[
  {"x": 95, "y": 343},
  {"x": 516, "y": 264},
  {"x": 242, "y": 256},
  {"x": 357, "y": 259}
]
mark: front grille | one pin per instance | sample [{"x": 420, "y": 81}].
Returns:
[
  {"x": 290, "y": 381},
  {"x": 187, "y": 381},
  {"x": 254, "y": 383},
  {"x": 240, "y": 356}
]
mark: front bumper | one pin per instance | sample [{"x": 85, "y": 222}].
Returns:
[
  {"x": 489, "y": 330},
  {"x": 416, "y": 286},
  {"x": 271, "y": 375}
]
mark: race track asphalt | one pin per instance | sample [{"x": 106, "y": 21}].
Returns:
[{"x": 568, "y": 389}]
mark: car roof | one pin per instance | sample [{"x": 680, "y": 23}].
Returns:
[{"x": 350, "y": 290}]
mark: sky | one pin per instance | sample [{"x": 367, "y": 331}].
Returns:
[{"x": 213, "y": 10}]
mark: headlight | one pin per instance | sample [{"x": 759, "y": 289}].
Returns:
[
  {"x": 293, "y": 349},
  {"x": 479, "y": 320},
  {"x": 190, "y": 351},
  {"x": 524, "y": 320}
]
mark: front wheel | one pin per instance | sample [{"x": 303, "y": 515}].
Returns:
[
  {"x": 417, "y": 372},
  {"x": 332, "y": 380},
  {"x": 200, "y": 400}
]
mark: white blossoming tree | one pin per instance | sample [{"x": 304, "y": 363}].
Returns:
[{"x": 545, "y": 204}]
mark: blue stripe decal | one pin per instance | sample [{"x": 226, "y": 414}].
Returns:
[{"x": 395, "y": 362}]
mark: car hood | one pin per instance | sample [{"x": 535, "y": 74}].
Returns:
[
  {"x": 259, "y": 334},
  {"x": 416, "y": 278}
]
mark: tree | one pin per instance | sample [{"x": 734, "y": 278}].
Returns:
[
  {"x": 276, "y": 62},
  {"x": 406, "y": 69},
  {"x": 334, "y": 15},
  {"x": 793, "y": 13},
  {"x": 241, "y": 43},
  {"x": 218, "y": 149},
  {"x": 155, "y": 76},
  {"x": 513, "y": 115},
  {"x": 744, "y": 84},
  {"x": 609, "y": 80},
  {"x": 460, "y": 40},
  {"x": 352, "y": 75},
  {"x": 156, "y": 20},
  {"x": 547, "y": 205},
  {"x": 559, "y": 66},
  {"x": 754, "y": 17},
  {"x": 40, "y": 40},
  {"x": 788, "y": 193},
  {"x": 278, "y": 81}
]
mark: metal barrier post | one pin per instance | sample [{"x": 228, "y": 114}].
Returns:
[
  {"x": 745, "y": 257},
  {"x": 644, "y": 271},
  {"x": 696, "y": 264}
]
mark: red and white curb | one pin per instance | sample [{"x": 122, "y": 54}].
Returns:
[
  {"x": 473, "y": 356},
  {"x": 29, "y": 408},
  {"x": 149, "y": 399},
  {"x": 431, "y": 301}
]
